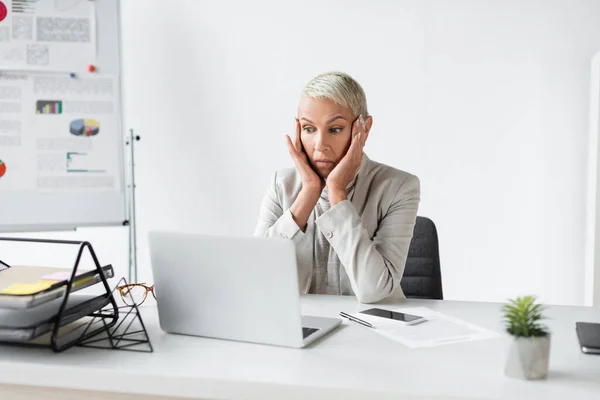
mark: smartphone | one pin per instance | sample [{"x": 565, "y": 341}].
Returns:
[{"x": 409, "y": 319}]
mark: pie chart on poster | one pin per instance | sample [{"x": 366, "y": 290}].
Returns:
[
  {"x": 84, "y": 127},
  {"x": 2, "y": 168},
  {"x": 3, "y": 11}
]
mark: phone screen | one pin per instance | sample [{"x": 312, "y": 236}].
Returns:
[{"x": 391, "y": 314}]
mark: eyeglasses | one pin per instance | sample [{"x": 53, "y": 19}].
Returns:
[{"x": 132, "y": 293}]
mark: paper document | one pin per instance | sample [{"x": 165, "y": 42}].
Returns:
[
  {"x": 48, "y": 35},
  {"x": 439, "y": 329},
  {"x": 58, "y": 133},
  {"x": 57, "y": 276}
]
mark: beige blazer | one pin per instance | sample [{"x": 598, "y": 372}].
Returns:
[{"x": 370, "y": 232}]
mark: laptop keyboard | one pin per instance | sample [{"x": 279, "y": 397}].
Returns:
[{"x": 306, "y": 332}]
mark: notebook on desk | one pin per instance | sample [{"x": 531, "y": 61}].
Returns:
[
  {"x": 24, "y": 325},
  {"x": 588, "y": 334},
  {"x": 24, "y": 287}
]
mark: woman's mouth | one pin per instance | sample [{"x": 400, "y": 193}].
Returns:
[{"x": 324, "y": 163}]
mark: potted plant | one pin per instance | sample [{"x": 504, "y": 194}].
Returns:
[{"x": 529, "y": 352}]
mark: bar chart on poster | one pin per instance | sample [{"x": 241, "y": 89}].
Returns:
[{"x": 61, "y": 138}]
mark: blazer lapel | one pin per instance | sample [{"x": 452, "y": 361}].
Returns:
[{"x": 361, "y": 188}]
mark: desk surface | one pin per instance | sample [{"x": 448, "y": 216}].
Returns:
[{"x": 350, "y": 363}]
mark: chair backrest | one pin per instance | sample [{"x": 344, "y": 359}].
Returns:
[{"x": 422, "y": 275}]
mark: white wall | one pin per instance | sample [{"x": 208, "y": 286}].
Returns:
[
  {"x": 592, "y": 255},
  {"x": 487, "y": 102}
]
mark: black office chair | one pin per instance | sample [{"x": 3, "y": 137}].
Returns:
[{"x": 422, "y": 277}]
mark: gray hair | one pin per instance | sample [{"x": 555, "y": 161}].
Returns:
[{"x": 340, "y": 88}]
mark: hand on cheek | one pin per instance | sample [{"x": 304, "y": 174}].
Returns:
[
  {"x": 310, "y": 179},
  {"x": 341, "y": 176}
]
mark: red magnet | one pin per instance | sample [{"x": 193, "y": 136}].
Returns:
[
  {"x": 3, "y": 11},
  {"x": 92, "y": 68}
]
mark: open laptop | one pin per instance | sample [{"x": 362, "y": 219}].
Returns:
[{"x": 235, "y": 288}]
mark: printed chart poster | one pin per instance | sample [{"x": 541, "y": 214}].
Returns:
[
  {"x": 59, "y": 133},
  {"x": 47, "y": 35}
]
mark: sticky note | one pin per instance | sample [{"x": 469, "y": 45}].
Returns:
[
  {"x": 27, "y": 288},
  {"x": 82, "y": 281}
]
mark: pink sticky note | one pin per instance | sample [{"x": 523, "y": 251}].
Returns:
[{"x": 57, "y": 276}]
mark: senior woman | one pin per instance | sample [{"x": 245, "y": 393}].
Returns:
[{"x": 350, "y": 218}]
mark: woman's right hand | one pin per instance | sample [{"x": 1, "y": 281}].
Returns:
[
  {"x": 310, "y": 179},
  {"x": 312, "y": 184}
]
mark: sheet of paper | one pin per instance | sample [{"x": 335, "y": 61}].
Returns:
[
  {"x": 58, "y": 133},
  {"x": 439, "y": 329},
  {"x": 27, "y": 288},
  {"x": 48, "y": 35},
  {"x": 57, "y": 276}
]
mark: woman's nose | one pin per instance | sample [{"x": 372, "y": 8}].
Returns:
[{"x": 321, "y": 141}]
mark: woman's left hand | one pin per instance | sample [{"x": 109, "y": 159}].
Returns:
[{"x": 341, "y": 176}]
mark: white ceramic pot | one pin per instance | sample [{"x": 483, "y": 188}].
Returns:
[{"x": 528, "y": 358}]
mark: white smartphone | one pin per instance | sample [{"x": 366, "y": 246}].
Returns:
[{"x": 409, "y": 319}]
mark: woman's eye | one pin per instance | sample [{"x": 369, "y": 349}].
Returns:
[
  {"x": 309, "y": 129},
  {"x": 335, "y": 130}
]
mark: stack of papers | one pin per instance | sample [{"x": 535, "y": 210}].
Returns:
[{"x": 439, "y": 329}]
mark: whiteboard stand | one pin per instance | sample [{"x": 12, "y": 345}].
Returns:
[
  {"x": 54, "y": 197},
  {"x": 132, "y": 272},
  {"x": 62, "y": 199}
]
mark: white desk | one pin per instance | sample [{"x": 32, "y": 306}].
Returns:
[{"x": 351, "y": 363}]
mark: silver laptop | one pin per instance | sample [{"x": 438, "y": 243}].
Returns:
[{"x": 235, "y": 288}]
